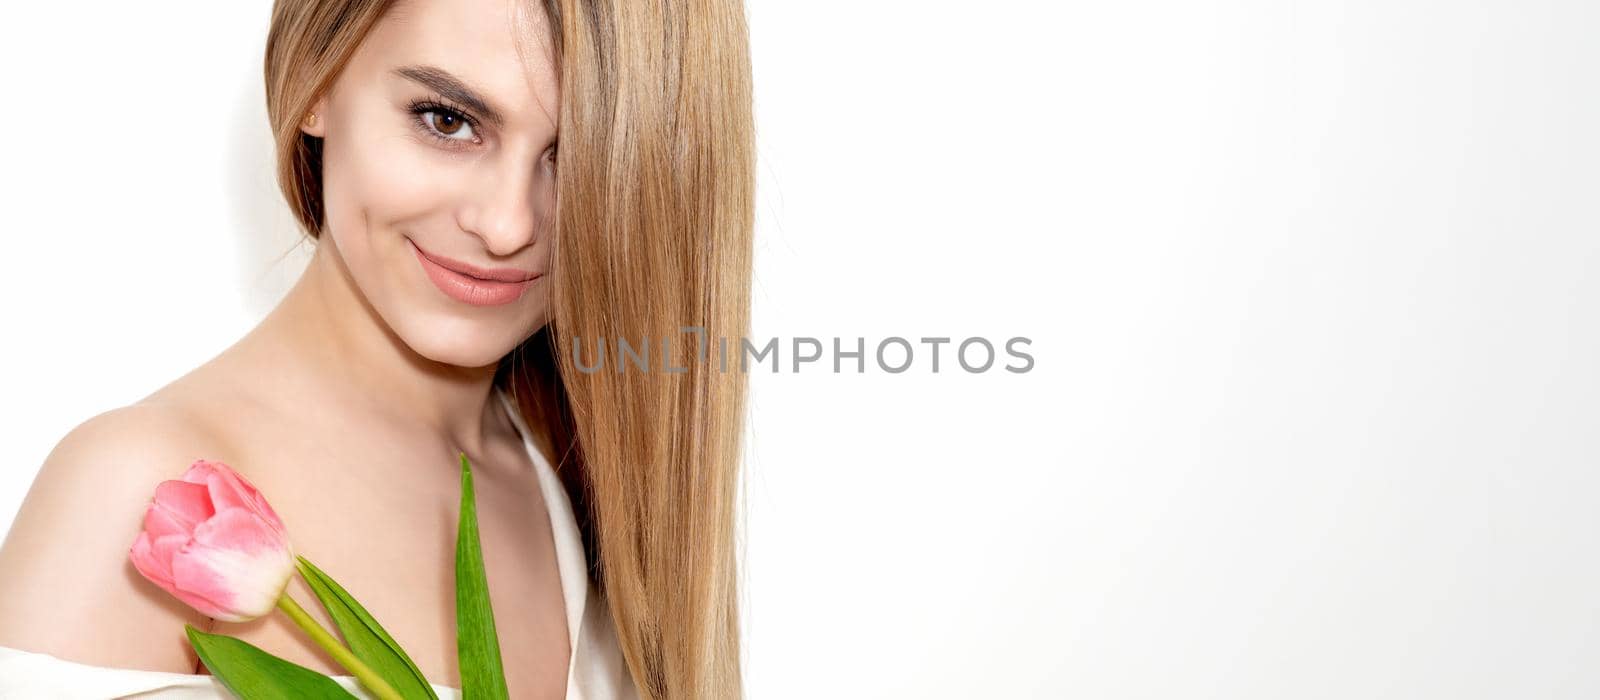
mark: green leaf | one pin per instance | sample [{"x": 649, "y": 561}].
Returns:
[
  {"x": 483, "y": 676},
  {"x": 366, "y": 638},
  {"x": 253, "y": 674}
]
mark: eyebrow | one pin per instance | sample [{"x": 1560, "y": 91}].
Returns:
[{"x": 451, "y": 88}]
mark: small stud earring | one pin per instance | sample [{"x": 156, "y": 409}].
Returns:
[{"x": 311, "y": 119}]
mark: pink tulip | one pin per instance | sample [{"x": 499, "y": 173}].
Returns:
[{"x": 211, "y": 540}]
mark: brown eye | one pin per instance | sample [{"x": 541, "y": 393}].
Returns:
[{"x": 448, "y": 125}]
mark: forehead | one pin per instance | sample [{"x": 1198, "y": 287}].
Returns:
[{"x": 501, "y": 48}]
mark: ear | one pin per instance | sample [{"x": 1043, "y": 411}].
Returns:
[{"x": 316, "y": 125}]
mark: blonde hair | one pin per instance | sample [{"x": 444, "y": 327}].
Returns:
[{"x": 654, "y": 213}]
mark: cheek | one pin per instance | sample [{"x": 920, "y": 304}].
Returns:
[
  {"x": 379, "y": 177},
  {"x": 373, "y": 186}
]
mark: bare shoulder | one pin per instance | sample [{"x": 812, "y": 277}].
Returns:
[{"x": 67, "y": 587}]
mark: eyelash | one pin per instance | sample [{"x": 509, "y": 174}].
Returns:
[{"x": 421, "y": 107}]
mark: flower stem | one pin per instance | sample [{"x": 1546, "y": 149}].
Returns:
[{"x": 344, "y": 656}]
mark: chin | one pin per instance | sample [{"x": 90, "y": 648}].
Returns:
[{"x": 460, "y": 341}]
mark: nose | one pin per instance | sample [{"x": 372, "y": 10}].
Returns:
[{"x": 507, "y": 206}]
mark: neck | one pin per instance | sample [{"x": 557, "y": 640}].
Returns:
[{"x": 335, "y": 353}]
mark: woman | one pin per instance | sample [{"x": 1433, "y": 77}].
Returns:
[{"x": 460, "y": 261}]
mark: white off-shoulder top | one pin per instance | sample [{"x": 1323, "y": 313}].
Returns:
[{"x": 596, "y": 670}]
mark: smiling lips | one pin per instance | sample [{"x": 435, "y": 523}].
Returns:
[{"x": 474, "y": 285}]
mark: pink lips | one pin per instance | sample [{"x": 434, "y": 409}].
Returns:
[{"x": 473, "y": 285}]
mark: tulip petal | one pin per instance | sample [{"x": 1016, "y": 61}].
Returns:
[
  {"x": 195, "y": 584},
  {"x": 229, "y": 489},
  {"x": 142, "y": 553},
  {"x": 266, "y": 512},
  {"x": 239, "y": 529},
  {"x": 237, "y": 562},
  {"x": 165, "y": 548},
  {"x": 236, "y": 586},
  {"x": 159, "y": 521},
  {"x": 178, "y": 507},
  {"x": 152, "y": 556},
  {"x": 198, "y": 471}
]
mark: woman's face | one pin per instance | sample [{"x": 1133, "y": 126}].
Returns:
[{"x": 439, "y": 144}]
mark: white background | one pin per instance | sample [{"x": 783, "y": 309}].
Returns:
[{"x": 1311, "y": 288}]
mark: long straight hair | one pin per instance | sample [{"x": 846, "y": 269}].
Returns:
[{"x": 654, "y": 214}]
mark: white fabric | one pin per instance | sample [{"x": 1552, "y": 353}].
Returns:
[{"x": 596, "y": 670}]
